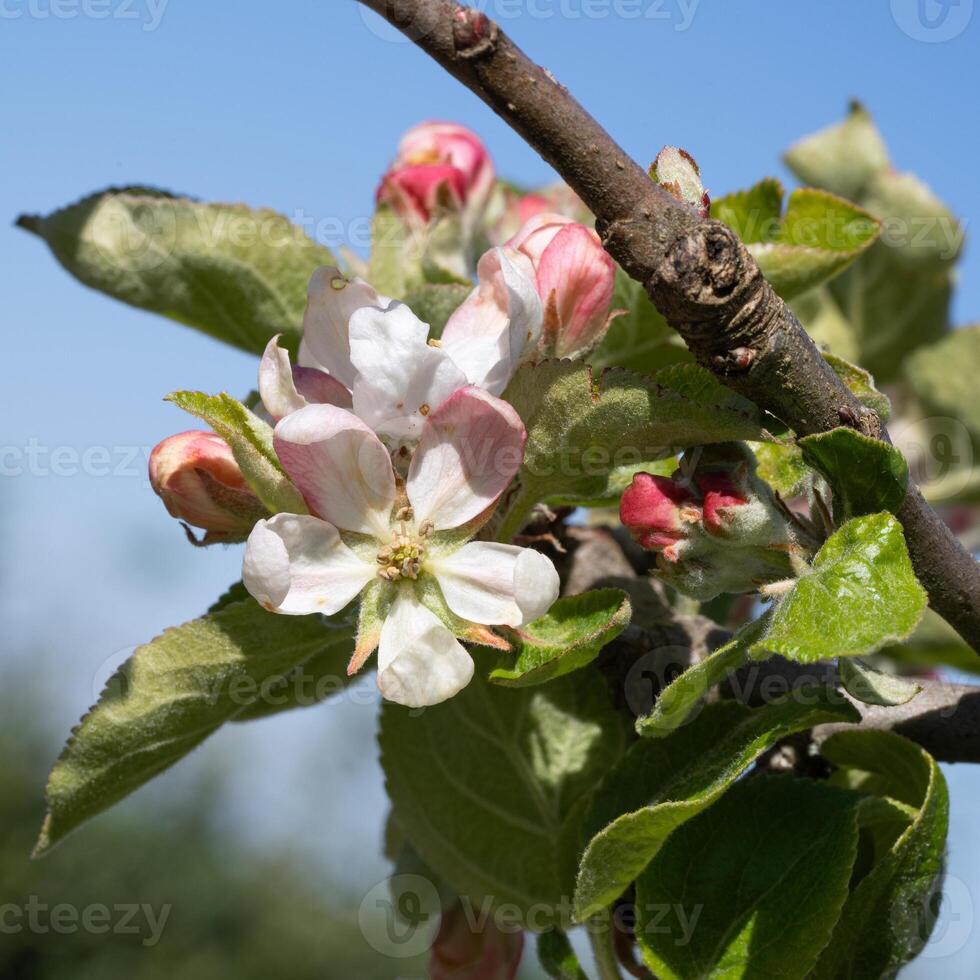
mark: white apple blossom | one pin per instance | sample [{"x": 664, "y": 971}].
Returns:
[
  {"x": 377, "y": 356},
  {"x": 403, "y": 547}
]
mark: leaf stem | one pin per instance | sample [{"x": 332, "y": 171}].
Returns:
[{"x": 601, "y": 939}]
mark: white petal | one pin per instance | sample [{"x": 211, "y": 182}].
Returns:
[
  {"x": 497, "y": 584},
  {"x": 340, "y": 466},
  {"x": 296, "y": 564},
  {"x": 331, "y": 300},
  {"x": 470, "y": 448},
  {"x": 498, "y": 323},
  {"x": 400, "y": 378},
  {"x": 276, "y": 387},
  {"x": 420, "y": 662}
]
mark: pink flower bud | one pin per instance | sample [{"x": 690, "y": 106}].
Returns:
[
  {"x": 653, "y": 508},
  {"x": 460, "y": 952},
  {"x": 440, "y": 166},
  {"x": 720, "y": 499},
  {"x": 574, "y": 277},
  {"x": 196, "y": 476}
]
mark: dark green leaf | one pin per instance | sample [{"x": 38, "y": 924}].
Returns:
[
  {"x": 753, "y": 886},
  {"x": 567, "y": 638},
  {"x": 871, "y": 686},
  {"x": 661, "y": 783},
  {"x": 236, "y": 274},
  {"x": 557, "y": 957}
]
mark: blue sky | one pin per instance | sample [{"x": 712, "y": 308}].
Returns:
[{"x": 298, "y": 106}]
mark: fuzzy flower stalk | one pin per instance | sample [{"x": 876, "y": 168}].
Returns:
[
  {"x": 715, "y": 525},
  {"x": 402, "y": 545}
]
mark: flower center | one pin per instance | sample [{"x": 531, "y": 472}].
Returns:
[{"x": 403, "y": 557}]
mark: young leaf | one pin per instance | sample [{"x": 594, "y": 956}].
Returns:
[
  {"x": 866, "y": 475},
  {"x": 251, "y": 442},
  {"x": 861, "y": 384},
  {"x": 491, "y": 786},
  {"x": 236, "y": 274},
  {"x": 659, "y": 784},
  {"x": 585, "y": 435},
  {"x": 567, "y": 638},
  {"x": 782, "y": 467},
  {"x": 168, "y": 698},
  {"x": 843, "y": 158},
  {"x": 682, "y": 697},
  {"x": 557, "y": 957},
  {"x": 757, "y": 881},
  {"x": 872, "y": 686},
  {"x": 889, "y": 915},
  {"x": 860, "y": 594},
  {"x": 754, "y": 215}
]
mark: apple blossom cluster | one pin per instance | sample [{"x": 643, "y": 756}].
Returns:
[
  {"x": 715, "y": 525},
  {"x": 400, "y": 443}
]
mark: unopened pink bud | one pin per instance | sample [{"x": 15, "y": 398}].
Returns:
[
  {"x": 653, "y": 509},
  {"x": 440, "y": 166},
  {"x": 196, "y": 476},
  {"x": 721, "y": 498},
  {"x": 461, "y": 952}
]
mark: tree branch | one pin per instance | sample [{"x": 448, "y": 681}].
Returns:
[{"x": 696, "y": 271}]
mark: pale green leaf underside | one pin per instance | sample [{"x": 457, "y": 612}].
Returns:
[
  {"x": 171, "y": 695},
  {"x": 661, "y": 783},
  {"x": 234, "y": 273},
  {"x": 871, "y": 686}
]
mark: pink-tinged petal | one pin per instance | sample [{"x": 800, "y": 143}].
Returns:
[
  {"x": 340, "y": 466},
  {"x": 651, "y": 509},
  {"x": 498, "y": 323},
  {"x": 285, "y": 389},
  {"x": 318, "y": 388},
  {"x": 496, "y": 584},
  {"x": 415, "y": 192},
  {"x": 471, "y": 447},
  {"x": 197, "y": 478},
  {"x": 401, "y": 378},
  {"x": 720, "y": 497},
  {"x": 420, "y": 662},
  {"x": 579, "y": 274},
  {"x": 297, "y": 565},
  {"x": 537, "y": 233},
  {"x": 331, "y": 300}
]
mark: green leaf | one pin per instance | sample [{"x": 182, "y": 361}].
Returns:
[
  {"x": 639, "y": 338},
  {"x": 682, "y": 697},
  {"x": 782, "y": 467},
  {"x": 944, "y": 376},
  {"x": 861, "y": 384},
  {"x": 236, "y": 274},
  {"x": 843, "y": 158},
  {"x": 758, "y": 880},
  {"x": 817, "y": 237},
  {"x": 434, "y": 303},
  {"x": 661, "y": 783},
  {"x": 491, "y": 786},
  {"x": 860, "y": 594},
  {"x": 251, "y": 443},
  {"x": 872, "y": 686},
  {"x": 557, "y": 957},
  {"x": 586, "y": 436},
  {"x": 866, "y": 475},
  {"x": 312, "y": 682},
  {"x": 567, "y": 638},
  {"x": 168, "y": 698},
  {"x": 889, "y": 915}
]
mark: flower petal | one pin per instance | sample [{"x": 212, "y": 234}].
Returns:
[
  {"x": 497, "y": 584},
  {"x": 340, "y": 466},
  {"x": 331, "y": 299},
  {"x": 420, "y": 662},
  {"x": 497, "y": 323},
  {"x": 297, "y": 564},
  {"x": 400, "y": 378},
  {"x": 285, "y": 389},
  {"x": 470, "y": 448}
]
